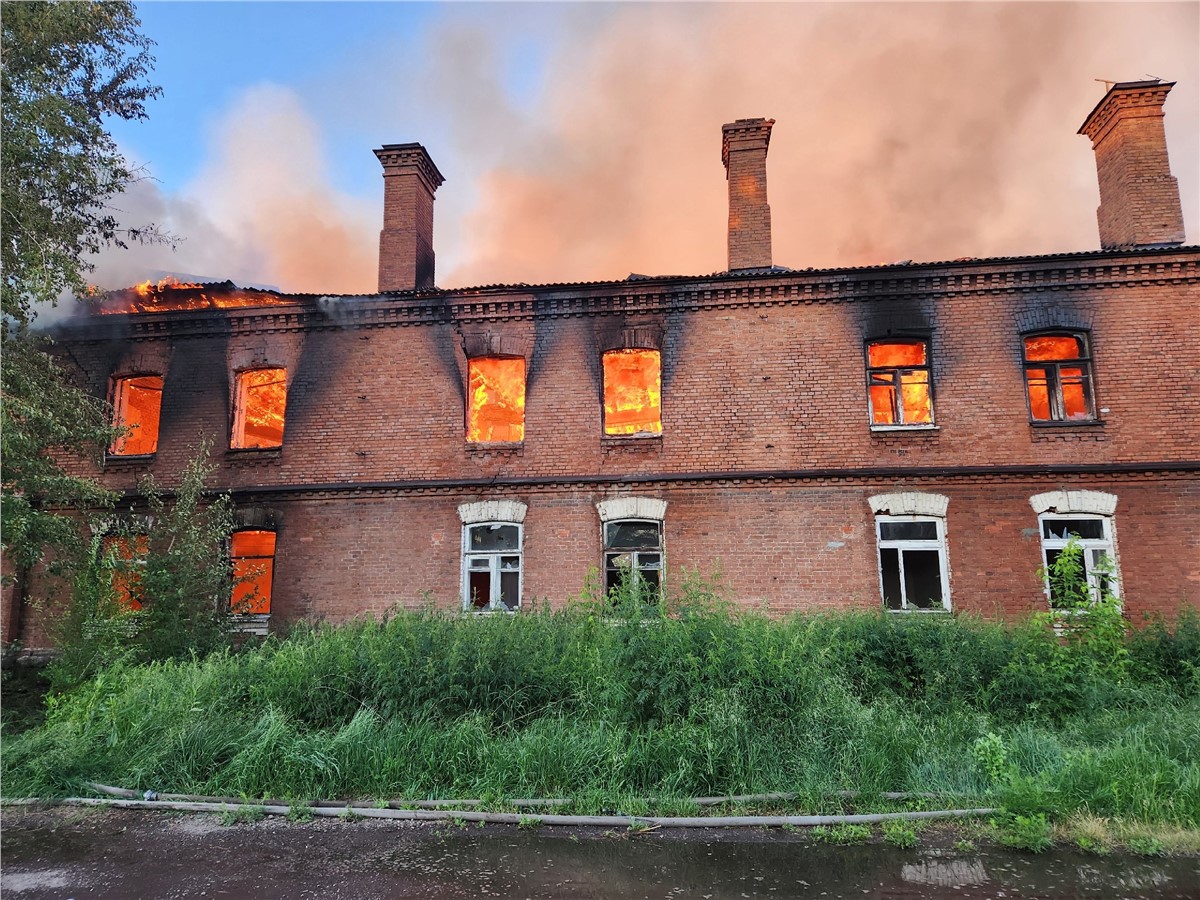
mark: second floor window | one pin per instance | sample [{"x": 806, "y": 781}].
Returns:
[
  {"x": 898, "y": 383},
  {"x": 632, "y": 392},
  {"x": 137, "y": 404},
  {"x": 1058, "y": 377},
  {"x": 259, "y": 407},
  {"x": 496, "y": 399}
]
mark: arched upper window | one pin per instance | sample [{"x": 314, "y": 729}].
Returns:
[
  {"x": 1058, "y": 377},
  {"x": 899, "y": 386}
]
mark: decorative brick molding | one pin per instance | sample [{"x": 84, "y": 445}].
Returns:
[
  {"x": 492, "y": 511},
  {"x": 910, "y": 503},
  {"x": 259, "y": 517},
  {"x": 632, "y": 508},
  {"x": 1054, "y": 316},
  {"x": 1095, "y": 502}
]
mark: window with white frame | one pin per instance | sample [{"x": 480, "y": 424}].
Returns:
[
  {"x": 492, "y": 566},
  {"x": 913, "y": 574},
  {"x": 633, "y": 556},
  {"x": 1093, "y": 535}
]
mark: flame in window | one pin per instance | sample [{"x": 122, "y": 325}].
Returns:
[
  {"x": 496, "y": 401},
  {"x": 137, "y": 404},
  {"x": 259, "y": 412},
  {"x": 128, "y": 554},
  {"x": 632, "y": 392},
  {"x": 253, "y": 555},
  {"x": 899, "y": 383}
]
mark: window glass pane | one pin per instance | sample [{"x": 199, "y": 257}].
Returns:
[
  {"x": 479, "y": 589},
  {"x": 914, "y": 388},
  {"x": 883, "y": 404},
  {"x": 261, "y": 403},
  {"x": 1088, "y": 529},
  {"x": 908, "y": 531},
  {"x": 494, "y": 537},
  {"x": 1039, "y": 395},
  {"x": 632, "y": 536},
  {"x": 1053, "y": 346},
  {"x": 649, "y": 560},
  {"x": 496, "y": 395},
  {"x": 923, "y": 578},
  {"x": 632, "y": 392},
  {"x": 1074, "y": 393},
  {"x": 510, "y": 563},
  {"x": 137, "y": 404},
  {"x": 510, "y": 587},
  {"x": 479, "y": 562},
  {"x": 253, "y": 543},
  {"x": 889, "y": 567},
  {"x": 648, "y": 583},
  {"x": 881, "y": 353}
]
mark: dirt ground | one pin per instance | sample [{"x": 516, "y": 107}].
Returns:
[{"x": 71, "y": 852}]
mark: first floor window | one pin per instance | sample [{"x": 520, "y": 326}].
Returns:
[
  {"x": 253, "y": 554},
  {"x": 1096, "y": 574},
  {"x": 127, "y": 554},
  {"x": 492, "y": 566},
  {"x": 633, "y": 557},
  {"x": 912, "y": 562},
  {"x": 137, "y": 403},
  {"x": 259, "y": 407}
]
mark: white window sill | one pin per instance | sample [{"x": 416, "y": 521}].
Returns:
[
  {"x": 905, "y": 428},
  {"x": 250, "y": 624}
]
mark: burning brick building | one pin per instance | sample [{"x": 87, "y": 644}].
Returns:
[{"x": 921, "y": 436}]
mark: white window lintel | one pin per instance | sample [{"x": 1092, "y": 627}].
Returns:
[
  {"x": 1063, "y": 502},
  {"x": 492, "y": 511},
  {"x": 910, "y": 503},
  {"x": 632, "y": 508}
]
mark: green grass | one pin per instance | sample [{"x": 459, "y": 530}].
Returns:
[{"x": 609, "y": 711}]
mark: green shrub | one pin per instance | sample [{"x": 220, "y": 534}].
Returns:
[
  {"x": 900, "y": 833},
  {"x": 1025, "y": 833}
]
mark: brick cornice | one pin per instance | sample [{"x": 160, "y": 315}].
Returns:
[
  {"x": 1130, "y": 100},
  {"x": 969, "y": 278}
]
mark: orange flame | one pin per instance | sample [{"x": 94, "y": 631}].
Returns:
[
  {"x": 137, "y": 405},
  {"x": 253, "y": 555},
  {"x": 632, "y": 392},
  {"x": 126, "y": 554},
  {"x": 259, "y": 413},
  {"x": 899, "y": 395},
  {"x": 172, "y": 295},
  {"x": 496, "y": 405}
]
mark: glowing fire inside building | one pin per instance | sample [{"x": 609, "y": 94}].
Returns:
[
  {"x": 632, "y": 392},
  {"x": 260, "y": 407},
  {"x": 496, "y": 407}
]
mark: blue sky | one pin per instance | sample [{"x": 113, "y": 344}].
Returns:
[{"x": 582, "y": 140}]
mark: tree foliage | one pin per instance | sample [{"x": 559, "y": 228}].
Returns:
[{"x": 66, "y": 67}]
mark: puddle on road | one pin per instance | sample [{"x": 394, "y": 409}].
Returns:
[{"x": 543, "y": 866}]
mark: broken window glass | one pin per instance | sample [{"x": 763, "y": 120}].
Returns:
[
  {"x": 496, "y": 399},
  {"x": 633, "y": 558},
  {"x": 632, "y": 392},
  {"x": 137, "y": 404},
  {"x": 492, "y": 563},
  {"x": 1093, "y": 535},
  {"x": 1058, "y": 377},
  {"x": 259, "y": 407},
  {"x": 253, "y": 554},
  {"x": 912, "y": 563},
  {"x": 898, "y": 383}
]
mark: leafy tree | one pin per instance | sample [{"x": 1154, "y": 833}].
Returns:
[{"x": 66, "y": 67}]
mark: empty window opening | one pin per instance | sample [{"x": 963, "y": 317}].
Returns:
[
  {"x": 137, "y": 405},
  {"x": 632, "y": 392},
  {"x": 492, "y": 566},
  {"x": 898, "y": 383},
  {"x": 912, "y": 563},
  {"x": 1093, "y": 536},
  {"x": 126, "y": 555},
  {"x": 259, "y": 408},
  {"x": 496, "y": 402},
  {"x": 1058, "y": 377},
  {"x": 633, "y": 557},
  {"x": 253, "y": 554}
]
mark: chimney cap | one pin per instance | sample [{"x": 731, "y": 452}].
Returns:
[
  {"x": 410, "y": 155},
  {"x": 747, "y": 132},
  {"x": 1145, "y": 94}
]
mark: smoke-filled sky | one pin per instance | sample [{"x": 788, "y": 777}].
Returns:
[{"x": 582, "y": 141}]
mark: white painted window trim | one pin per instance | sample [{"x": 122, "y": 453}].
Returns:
[
  {"x": 910, "y": 503},
  {"x": 1064, "y": 503},
  {"x": 661, "y": 551},
  {"x": 1107, "y": 543},
  {"x": 503, "y": 511},
  {"x": 495, "y": 604},
  {"x": 901, "y": 545},
  {"x": 643, "y": 508}
]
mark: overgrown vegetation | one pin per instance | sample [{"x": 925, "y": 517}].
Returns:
[{"x": 689, "y": 700}]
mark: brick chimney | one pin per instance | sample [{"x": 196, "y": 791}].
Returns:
[
  {"x": 1139, "y": 198},
  {"x": 406, "y": 241},
  {"x": 744, "y": 153}
]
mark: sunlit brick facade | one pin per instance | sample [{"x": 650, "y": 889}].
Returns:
[{"x": 810, "y": 473}]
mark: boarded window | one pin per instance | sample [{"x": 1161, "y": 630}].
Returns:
[
  {"x": 1058, "y": 377},
  {"x": 127, "y": 556},
  {"x": 912, "y": 563},
  {"x": 496, "y": 401},
  {"x": 898, "y": 383},
  {"x": 633, "y": 557},
  {"x": 137, "y": 404},
  {"x": 259, "y": 408},
  {"x": 632, "y": 392},
  {"x": 492, "y": 566},
  {"x": 253, "y": 555}
]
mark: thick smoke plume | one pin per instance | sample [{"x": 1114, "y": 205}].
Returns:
[{"x": 904, "y": 131}]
